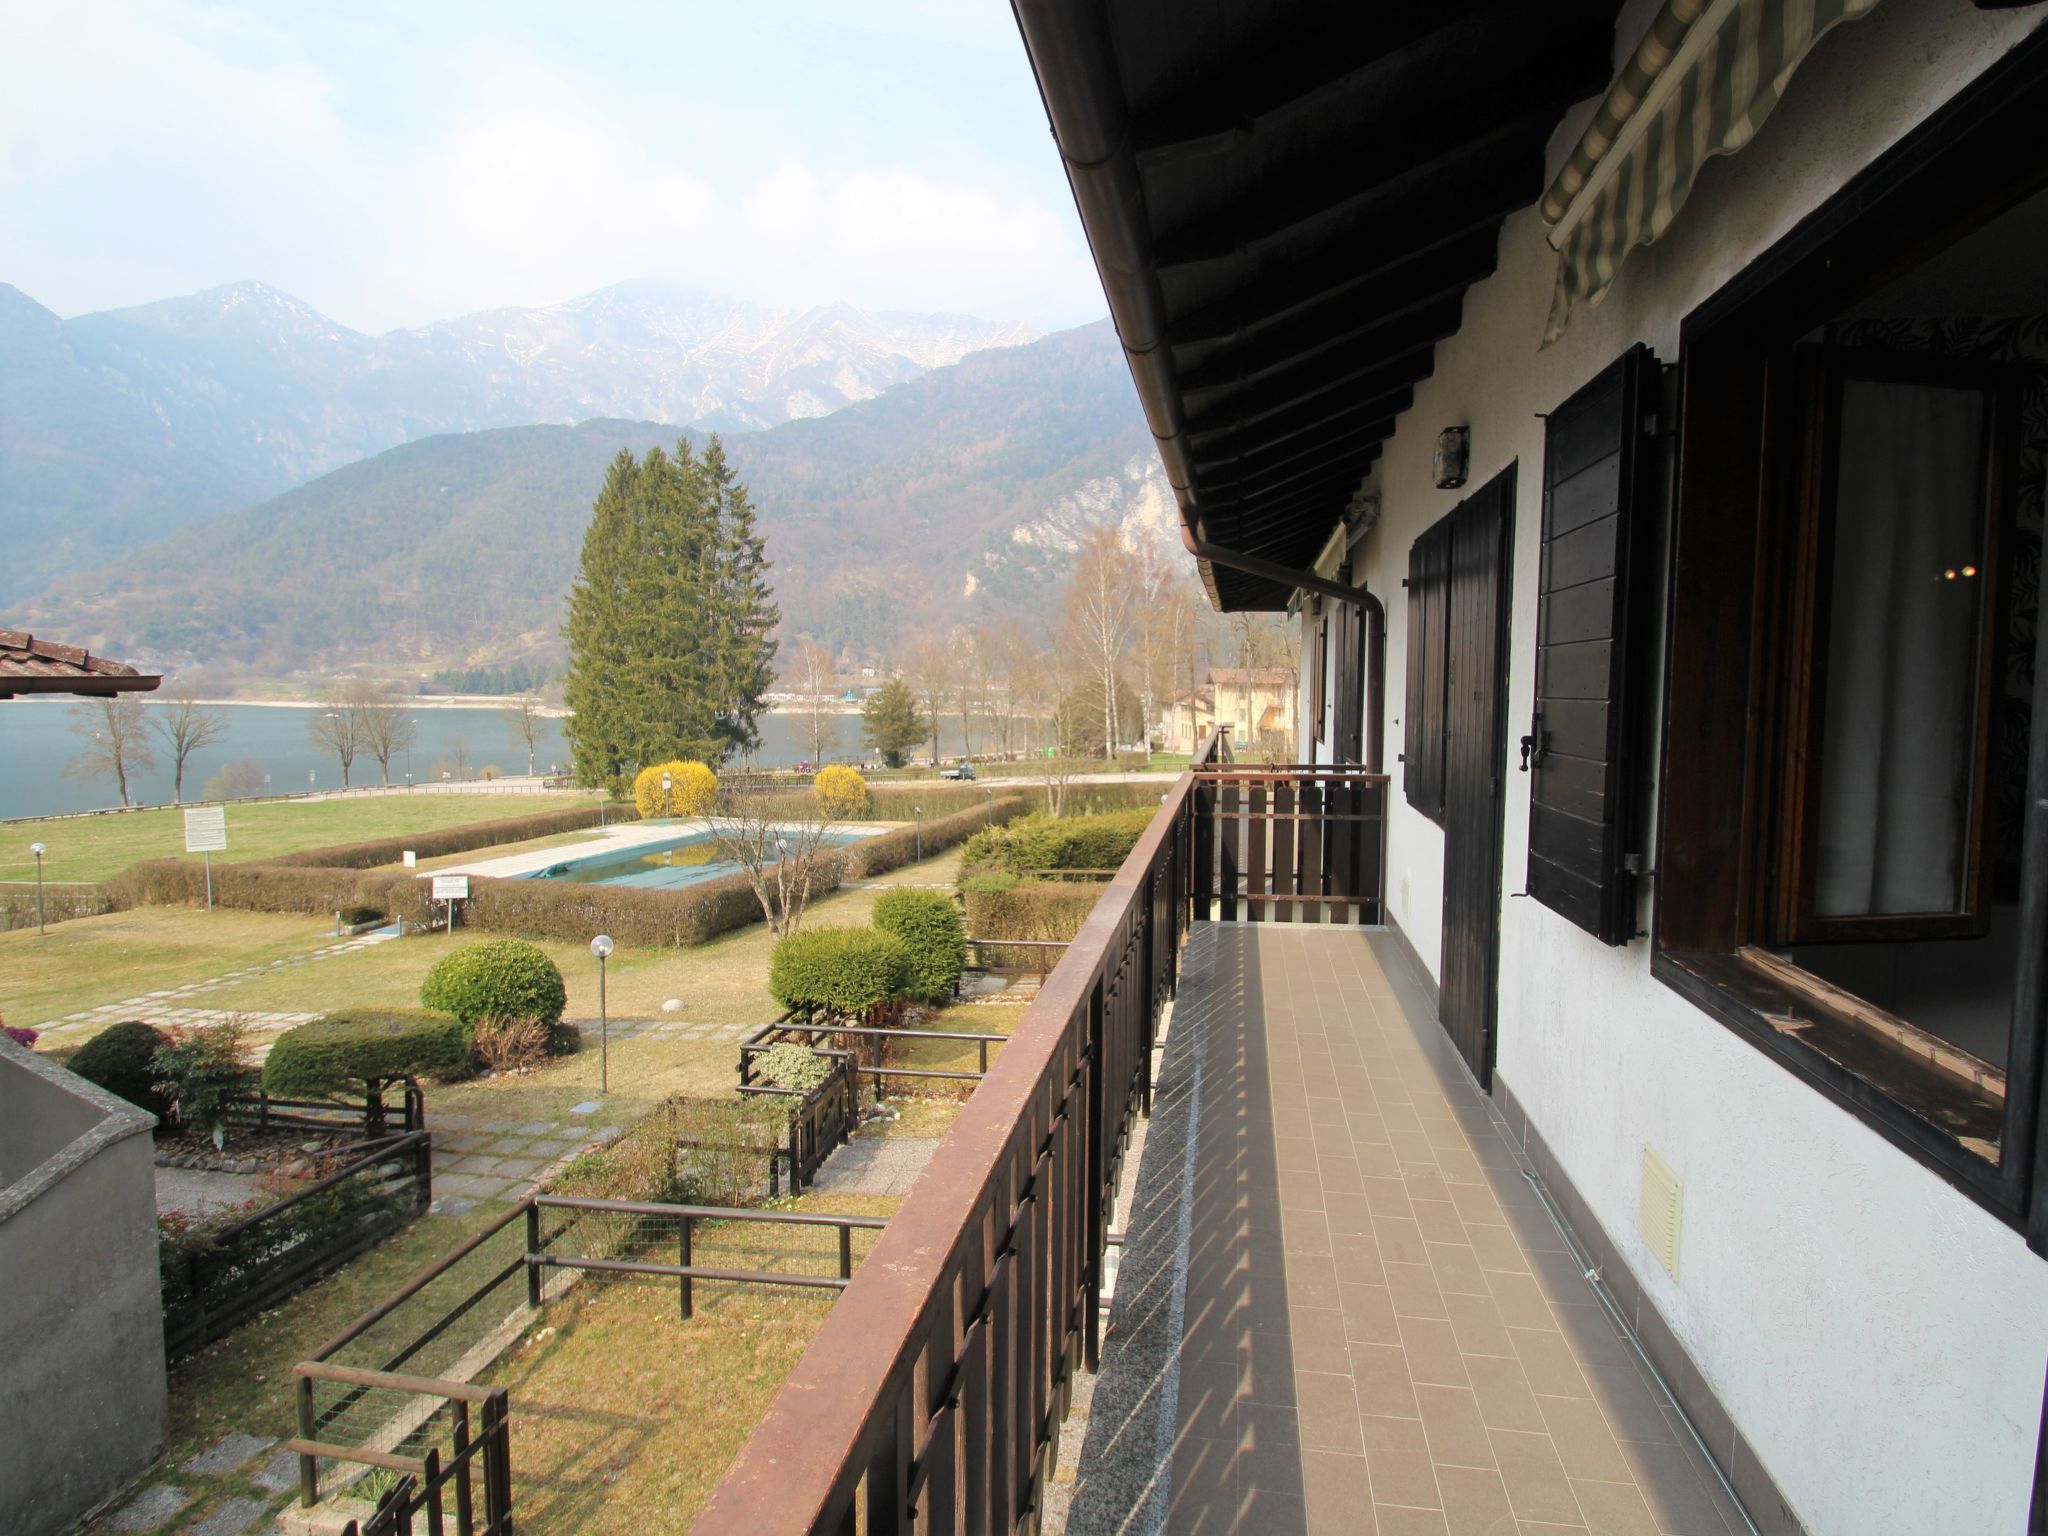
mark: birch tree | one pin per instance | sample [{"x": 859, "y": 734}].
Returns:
[
  {"x": 1102, "y": 599},
  {"x": 812, "y": 677}
]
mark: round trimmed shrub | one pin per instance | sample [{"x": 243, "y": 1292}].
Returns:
[
  {"x": 122, "y": 1060},
  {"x": 693, "y": 787},
  {"x": 845, "y": 971},
  {"x": 359, "y": 1050},
  {"x": 842, "y": 794},
  {"x": 497, "y": 979},
  {"x": 933, "y": 929}
]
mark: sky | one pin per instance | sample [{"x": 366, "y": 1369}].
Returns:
[{"x": 393, "y": 164}]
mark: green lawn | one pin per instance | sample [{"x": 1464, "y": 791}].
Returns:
[
  {"x": 96, "y": 960},
  {"x": 94, "y": 847}
]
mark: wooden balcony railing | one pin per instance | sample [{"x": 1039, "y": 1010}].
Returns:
[
  {"x": 931, "y": 1400},
  {"x": 1292, "y": 843}
]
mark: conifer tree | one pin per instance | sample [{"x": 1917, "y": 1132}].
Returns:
[{"x": 669, "y": 618}]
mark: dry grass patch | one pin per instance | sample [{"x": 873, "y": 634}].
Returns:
[{"x": 624, "y": 1416}]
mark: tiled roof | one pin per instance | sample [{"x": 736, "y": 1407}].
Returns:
[{"x": 29, "y": 665}]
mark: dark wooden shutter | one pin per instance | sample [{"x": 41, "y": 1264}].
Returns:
[
  {"x": 1429, "y": 612},
  {"x": 1594, "y": 595},
  {"x": 1349, "y": 644}
]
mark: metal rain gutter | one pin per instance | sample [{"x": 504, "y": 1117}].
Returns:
[{"x": 1074, "y": 59}]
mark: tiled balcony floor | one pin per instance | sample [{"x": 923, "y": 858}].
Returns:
[{"x": 1341, "y": 1307}]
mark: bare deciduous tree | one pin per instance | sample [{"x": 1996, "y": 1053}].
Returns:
[
  {"x": 186, "y": 725},
  {"x": 384, "y": 724},
  {"x": 116, "y": 740},
  {"x": 929, "y": 669},
  {"x": 782, "y": 857},
  {"x": 812, "y": 676},
  {"x": 1101, "y": 605},
  {"x": 337, "y": 727},
  {"x": 524, "y": 716}
]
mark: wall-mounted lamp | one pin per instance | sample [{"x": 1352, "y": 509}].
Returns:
[{"x": 1453, "y": 457}]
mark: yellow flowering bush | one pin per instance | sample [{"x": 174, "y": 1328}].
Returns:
[
  {"x": 842, "y": 793},
  {"x": 692, "y": 789}
]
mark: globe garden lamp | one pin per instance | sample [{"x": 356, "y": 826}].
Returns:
[
  {"x": 38, "y": 850},
  {"x": 666, "y": 808},
  {"x": 917, "y": 817},
  {"x": 601, "y": 946}
]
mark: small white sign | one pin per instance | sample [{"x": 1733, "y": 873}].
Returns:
[
  {"x": 409, "y": 858},
  {"x": 206, "y": 829},
  {"x": 451, "y": 887}
]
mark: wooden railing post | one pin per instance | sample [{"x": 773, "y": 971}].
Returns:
[
  {"x": 309, "y": 1466},
  {"x": 532, "y": 1254},
  {"x": 683, "y": 1249},
  {"x": 465, "y": 1512}
]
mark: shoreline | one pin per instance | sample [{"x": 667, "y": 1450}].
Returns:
[{"x": 423, "y": 701}]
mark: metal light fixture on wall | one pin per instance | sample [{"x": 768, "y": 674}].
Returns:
[{"x": 1453, "y": 457}]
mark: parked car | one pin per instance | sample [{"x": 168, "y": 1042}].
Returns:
[{"x": 960, "y": 770}]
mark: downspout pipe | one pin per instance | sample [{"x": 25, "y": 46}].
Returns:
[{"x": 1074, "y": 57}]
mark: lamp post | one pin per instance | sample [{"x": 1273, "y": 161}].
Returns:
[
  {"x": 666, "y": 809},
  {"x": 38, "y": 850},
  {"x": 601, "y": 946},
  {"x": 917, "y": 815}
]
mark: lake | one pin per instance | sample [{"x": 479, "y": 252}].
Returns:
[{"x": 37, "y": 745}]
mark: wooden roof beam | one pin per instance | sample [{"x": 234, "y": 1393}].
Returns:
[
  {"x": 1298, "y": 450},
  {"x": 1226, "y": 436},
  {"x": 1320, "y": 374},
  {"x": 1346, "y": 322},
  {"x": 1356, "y": 48}
]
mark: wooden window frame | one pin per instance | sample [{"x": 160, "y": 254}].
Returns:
[
  {"x": 1950, "y": 174},
  {"x": 1813, "y": 402}
]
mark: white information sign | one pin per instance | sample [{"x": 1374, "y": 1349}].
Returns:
[
  {"x": 206, "y": 829},
  {"x": 409, "y": 859},
  {"x": 451, "y": 887}
]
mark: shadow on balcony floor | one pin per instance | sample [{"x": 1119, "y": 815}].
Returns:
[{"x": 1340, "y": 1306}]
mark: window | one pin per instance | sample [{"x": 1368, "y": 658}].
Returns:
[
  {"x": 1902, "y": 501},
  {"x": 1429, "y": 643},
  {"x": 1853, "y": 838}
]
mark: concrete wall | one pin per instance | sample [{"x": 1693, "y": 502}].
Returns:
[
  {"x": 82, "y": 1392},
  {"x": 1877, "y": 1336}
]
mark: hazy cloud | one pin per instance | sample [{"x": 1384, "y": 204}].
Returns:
[{"x": 163, "y": 148}]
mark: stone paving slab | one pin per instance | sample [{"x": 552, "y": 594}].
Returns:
[
  {"x": 225, "y": 1454},
  {"x": 875, "y": 1165},
  {"x": 231, "y": 1518},
  {"x": 280, "y": 1474},
  {"x": 149, "y": 1508}
]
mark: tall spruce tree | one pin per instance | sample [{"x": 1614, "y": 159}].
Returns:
[{"x": 669, "y": 617}]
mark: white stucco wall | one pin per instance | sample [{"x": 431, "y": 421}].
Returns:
[{"x": 1878, "y": 1337}]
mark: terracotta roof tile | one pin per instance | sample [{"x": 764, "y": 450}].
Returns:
[{"x": 29, "y": 665}]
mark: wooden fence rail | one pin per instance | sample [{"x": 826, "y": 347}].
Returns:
[{"x": 1292, "y": 843}]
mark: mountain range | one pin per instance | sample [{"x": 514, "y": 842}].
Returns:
[
  {"x": 971, "y": 479},
  {"x": 120, "y": 427}
]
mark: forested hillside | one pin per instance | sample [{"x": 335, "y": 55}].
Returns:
[{"x": 455, "y": 551}]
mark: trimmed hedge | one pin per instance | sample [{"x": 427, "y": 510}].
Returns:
[
  {"x": 497, "y": 979},
  {"x": 877, "y": 855},
  {"x": 843, "y": 970},
  {"x": 792, "y": 1066},
  {"x": 444, "y": 840},
  {"x": 931, "y": 928},
  {"x": 1039, "y": 909},
  {"x": 1065, "y": 842},
  {"x": 122, "y": 1060},
  {"x": 346, "y": 1052}
]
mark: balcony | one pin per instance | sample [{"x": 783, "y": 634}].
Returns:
[{"x": 1341, "y": 1304}]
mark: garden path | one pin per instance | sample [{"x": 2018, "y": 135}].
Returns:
[{"x": 167, "y": 1006}]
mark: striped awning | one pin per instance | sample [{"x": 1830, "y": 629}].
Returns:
[{"x": 1705, "y": 77}]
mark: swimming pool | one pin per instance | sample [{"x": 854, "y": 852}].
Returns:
[{"x": 667, "y": 864}]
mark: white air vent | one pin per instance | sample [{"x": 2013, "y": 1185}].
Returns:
[{"x": 1663, "y": 1207}]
